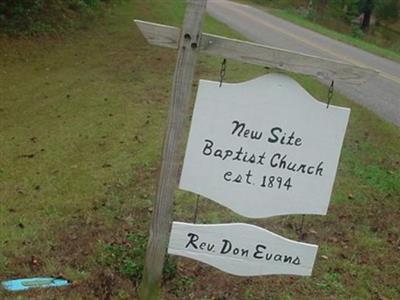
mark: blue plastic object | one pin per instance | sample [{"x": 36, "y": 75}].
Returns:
[{"x": 36, "y": 282}]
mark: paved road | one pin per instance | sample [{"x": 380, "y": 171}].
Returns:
[{"x": 380, "y": 94}]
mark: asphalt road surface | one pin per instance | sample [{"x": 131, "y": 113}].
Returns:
[{"x": 380, "y": 94}]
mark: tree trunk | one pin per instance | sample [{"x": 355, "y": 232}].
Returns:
[
  {"x": 367, "y": 12},
  {"x": 322, "y": 4},
  {"x": 366, "y": 20}
]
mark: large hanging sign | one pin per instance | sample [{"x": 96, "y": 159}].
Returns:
[
  {"x": 263, "y": 147},
  {"x": 242, "y": 249}
]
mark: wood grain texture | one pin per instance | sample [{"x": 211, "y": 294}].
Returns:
[
  {"x": 253, "y": 53},
  {"x": 168, "y": 179}
]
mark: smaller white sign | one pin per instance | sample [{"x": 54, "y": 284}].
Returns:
[{"x": 242, "y": 249}]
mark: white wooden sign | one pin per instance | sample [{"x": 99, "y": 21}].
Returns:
[
  {"x": 263, "y": 147},
  {"x": 242, "y": 249}
]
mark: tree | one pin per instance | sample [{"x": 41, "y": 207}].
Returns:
[
  {"x": 387, "y": 10},
  {"x": 321, "y": 7},
  {"x": 366, "y": 9}
]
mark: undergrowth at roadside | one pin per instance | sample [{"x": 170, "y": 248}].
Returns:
[
  {"x": 380, "y": 40},
  {"x": 38, "y": 17}
]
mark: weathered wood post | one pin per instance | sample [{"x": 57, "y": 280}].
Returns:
[{"x": 188, "y": 48}]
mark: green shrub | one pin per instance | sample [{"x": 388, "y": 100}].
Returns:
[
  {"x": 34, "y": 17},
  {"x": 357, "y": 32},
  {"x": 387, "y": 10}
]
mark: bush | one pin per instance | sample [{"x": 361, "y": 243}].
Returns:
[
  {"x": 387, "y": 10},
  {"x": 34, "y": 17},
  {"x": 357, "y": 32}
]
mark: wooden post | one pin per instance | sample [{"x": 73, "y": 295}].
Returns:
[{"x": 189, "y": 45}]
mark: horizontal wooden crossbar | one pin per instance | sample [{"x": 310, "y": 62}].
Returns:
[{"x": 253, "y": 53}]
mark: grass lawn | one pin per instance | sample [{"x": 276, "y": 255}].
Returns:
[{"x": 82, "y": 119}]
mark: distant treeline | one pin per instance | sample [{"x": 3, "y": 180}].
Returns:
[
  {"x": 383, "y": 10},
  {"x": 35, "y": 17}
]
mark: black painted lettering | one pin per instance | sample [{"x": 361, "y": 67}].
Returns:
[
  {"x": 192, "y": 239},
  {"x": 238, "y": 154},
  {"x": 278, "y": 257},
  {"x": 255, "y": 135},
  {"x": 227, "y": 176},
  {"x": 258, "y": 253},
  {"x": 218, "y": 153},
  {"x": 245, "y": 253},
  {"x": 252, "y": 159},
  {"x": 296, "y": 261},
  {"x": 261, "y": 159},
  {"x": 274, "y": 157},
  {"x": 248, "y": 176},
  {"x": 291, "y": 166},
  {"x": 282, "y": 141},
  {"x": 228, "y": 153},
  {"x": 310, "y": 170},
  {"x": 282, "y": 163},
  {"x": 275, "y": 137},
  {"x": 227, "y": 247},
  {"x": 238, "y": 179},
  {"x": 264, "y": 181},
  {"x": 302, "y": 168},
  {"x": 239, "y": 127},
  {"x": 244, "y": 159},
  {"x": 207, "y": 150},
  {"x": 290, "y": 139},
  {"x": 319, "y": 169},
  {"x": 287, "y": 259}
]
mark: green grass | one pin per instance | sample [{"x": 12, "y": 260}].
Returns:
[
  {"x": 294, "y": 17},
  {"x": 82, "y": 122}
]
